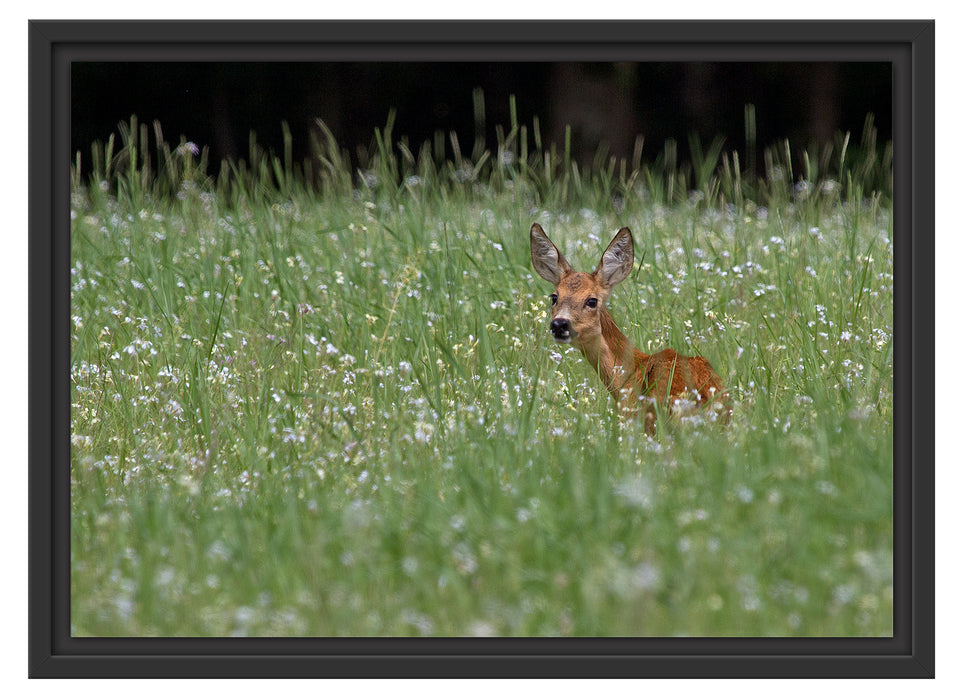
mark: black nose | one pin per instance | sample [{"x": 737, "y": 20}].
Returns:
[{"x": 560, "y": 327}]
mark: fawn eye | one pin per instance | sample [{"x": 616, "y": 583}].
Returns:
[
  {"x": 592, "y": 302},
  {"x": 554, "y": 298}
]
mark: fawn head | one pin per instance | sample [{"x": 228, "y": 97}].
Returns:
[{"x": 580, "y": 297}]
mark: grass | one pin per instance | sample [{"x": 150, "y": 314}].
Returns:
[{"x": 322, "y": 399}]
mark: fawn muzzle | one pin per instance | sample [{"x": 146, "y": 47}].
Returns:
[{"x": 562, "y": 330}]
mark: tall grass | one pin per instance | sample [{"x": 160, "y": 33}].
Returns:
[{"x": 320, "y": 398}]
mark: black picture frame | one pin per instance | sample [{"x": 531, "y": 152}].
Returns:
[{"x": 53, "y": 45}]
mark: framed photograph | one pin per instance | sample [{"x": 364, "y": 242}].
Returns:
[{"x": 481, "y": 349}]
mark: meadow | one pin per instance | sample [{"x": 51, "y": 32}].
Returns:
[{"x": 321, "y": 398}]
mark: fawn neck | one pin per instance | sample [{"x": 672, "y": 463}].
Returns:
[{"x": 612, "y": 355}]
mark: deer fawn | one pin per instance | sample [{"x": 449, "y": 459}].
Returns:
[{"x": 638, "y": 381}]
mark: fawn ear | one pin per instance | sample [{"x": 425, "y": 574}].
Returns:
[
  {"x": 547, "y": 260},
  {"x": 617, "y": 261}
]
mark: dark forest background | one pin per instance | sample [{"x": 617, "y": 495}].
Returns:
[{"x": 218, "y": 105}]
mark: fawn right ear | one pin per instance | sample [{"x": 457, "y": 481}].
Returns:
[
  {"x": 547, "y": 260},
  {"x": 617, "y": 261}
]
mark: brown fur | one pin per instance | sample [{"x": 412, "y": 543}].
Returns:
[{"x": 638, "y": 381}]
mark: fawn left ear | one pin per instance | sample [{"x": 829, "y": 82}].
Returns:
[
  {"x": 547, "y": 260},
  {"x": 617, "y": 261}
]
